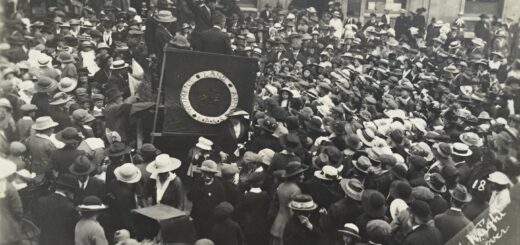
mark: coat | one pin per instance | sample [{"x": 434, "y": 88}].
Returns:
[
  {"x": 173, "y": 196},
  {"x": 284, "y": 193},
  {"x": 323, "y": 192},
  {"x": 228, "y": 140},
  {"x": 213, "y": 40},
  {"x": 205, "y": 198},
  {"x": 122, "y": 199},
  {"x": 232, "y": 192},
  {"x": 438, "y": 204},
  {"x": 61, "y": 159},
  {"x": 451, "y": 222},
  {"x": 40, "y": 150},
  {"x": 56, "y": 216},
  {"x": 227, "y": 232},
  {"x": 264, "y": 141},
  {"x": 424, "y": 235},
  {"x": 338, "y": 214},
  {"x": 251, "y": 212},
  {"x": 295, "y": 233},
  {"x": 41, "y": 100},
  {"x": 11, "y": 213},
  {"x": 59, "y": 116},
  {"x": 23, "y": 127},
  {"x": 202, "y": 16},
  {"x": 95, "y": 187}
]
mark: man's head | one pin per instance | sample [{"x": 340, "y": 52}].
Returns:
[
  {"x": 211, "y": 3},
  {"x": 219, "y": 20}
]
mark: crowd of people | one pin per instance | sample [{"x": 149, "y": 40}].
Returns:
[{"x": 382, "y": 132}]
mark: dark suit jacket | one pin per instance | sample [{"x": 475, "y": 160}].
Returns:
[
  {"x": 265, "y": 14},
  {"x": 227, "y": 139},
  {"x": 61, "y": 159},
  {"x": 95, "y": 187},
  {"x": 41, "y": 100},
  {"x": 213, "y": 40},
  {"x": 56, "y": 216},
  {"x": 251, "y": 213},
  {"x": 450, "y": 223},
  {"x": 324, "y": 193},
  {"x": 60, "y": 117},
  {"x": 121, "y": 201},
  {"x": 227, "y": 232},
  {"x": 202, "y": 17},
  {"x": 438, "y": 205},
  {"x": 424, "y": 235},
  {"x": 173, "y": 196},
  {"x": 295, "y": 233}
]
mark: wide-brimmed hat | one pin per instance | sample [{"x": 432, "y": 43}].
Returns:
[
  {"x": 499, "y": 178},
  {"x": 91, "y": 204},
  {"x": 396, "y": 206},
  {"x": 366, "y": 136},
  {"x": 373, "y": 203},
  {"x": 209, "y": 166},
  {"x": 461, "y": 149},
  {"x": 327, "y": 172},
  {"x": 82, "y": 116},
  {"x": 294, "y": 168},
  {"x": 421, "y": 210},
  {"x": 82, "y": 166},
  {"x": 112, "y": 94},
  {"x": 269, "y": 124},
  {"x": 165, "y": 16},
  {"x": 350, "y": 229},
  {"x": 353, "y": 188},
  {"x": 60, "y": 98},
  {"x": 67, "y": 84},
  {"x": 315, "y": 124},
  {"x": 117, "y": 149},
  {"x": 436, "y": 182},
  {"x": 442, "y": 150},
  {"x": 471, "y": 139},
  {"x": 148, "y": 150},
  {"x": 451, "y": 69},
  {"x": 128, "y": 173},
  {"x": 238, "y": 113},
  {"x": 353, "y": 142},
  {"x": 65, "y": 58},
  {"x": 461, "y": 194},
  {"x": 204, "y": 144},
  {"x": 118, "y": 64},
  {"x": 68, "y": 135},
  {"x": 66, "y": 180},
  {"x": 43, "y": 123},
  {"x": 44, "y": 60},
  {"x": 302, "y": 202},
  {"x": 46, "y": 84},
  {"x": 290, "y": 142},
  {"x": 163, "y": 163},
  {"x": 421, "y": 149},
  {"x": 362, "y": 164}
]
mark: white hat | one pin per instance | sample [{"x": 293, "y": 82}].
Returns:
[
  {"x": 204, "y": 144},
  {"x": 163, "y": 163},
  {"x": 396, "y": 207},
  {"x": 128, "y": 173},
  {"x": 267, "y": 155},
  {"x": 327, "y": 173},
  {"x": 67, "y": 84},
  {"x": 499, "y": 178},
  {"x": 6, "y": 168},
  {"x": 43, "y": 123},
  {"x": 461, "y": 149}
]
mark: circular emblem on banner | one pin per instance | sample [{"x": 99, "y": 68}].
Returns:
[{"x": 208, "y": 96}]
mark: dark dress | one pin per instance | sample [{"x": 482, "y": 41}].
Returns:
[
  {"x": 205, "y": 198},
  {"x": 251, "y": 213}
]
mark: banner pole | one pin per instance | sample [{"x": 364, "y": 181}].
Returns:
[{"x": 159, "y": 92}]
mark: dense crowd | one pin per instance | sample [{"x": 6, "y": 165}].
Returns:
[{"x": 382, "y": 132}]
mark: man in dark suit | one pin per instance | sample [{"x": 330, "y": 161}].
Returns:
[
  {"x": 56, "y": 214},
  {"x": 422, "y": 232},
  {"x": 87, "y": 185},
  {"x": 483, "y": 28},
  {"x": 402, "y": 23},
  {"x": 453, "y": 220},
  {"x": 214, "y": 40},
  {"x": 203, "y": 14},
  {"x": 266, "y": 13}
]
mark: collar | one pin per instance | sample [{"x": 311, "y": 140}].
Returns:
[
  {"x": 255, "y": 190},
  {"x": 414, "y": 227},
  {"x": 44, "y": 136},
  {"x": 218, "y": 27},
  {"x": 456, "y": 209},
  {"x": 27, "y": 118},
  {"x": 60, "y": 193}
]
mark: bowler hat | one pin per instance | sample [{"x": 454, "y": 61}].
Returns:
[
  {"x": 67, "y": 180},
  {"x": 290, "y": 142},
  {"x": 69, "y": 135},
  {"x": 82, "y": 166},
  {"x": 373, "y": 203},
  {"x": 118, "y": 149},
  {"x": 294, "y": 168},
  {"x": 461, "y": 194}
]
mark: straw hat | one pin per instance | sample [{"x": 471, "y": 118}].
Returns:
[
  {"x": 46, "y": 84},
  {"x": 43, "y": 123},
  {"x": 302, "y": 202},
  {"x": 118, "y": 64},
  {"x": 350, "y": 229},
  {"x": 165, "y": 16},
  {"x": 461, "y": 149},
  {"x": 366, "y": 136},
  {"x": 499, "y": 178},
  {"x": 352, "y": 188},
  {"x": 91, "y": 203},
  {"x": 204, "y": 144},
  {"x": 163, "y": 163},
  {"x": 327, "y": 173},
  {"x": 471, "y": 139},
  {"x": 128, "y": 173},
  {"x": 67, "y": 84},
  {"x": 209, "y": 166}
]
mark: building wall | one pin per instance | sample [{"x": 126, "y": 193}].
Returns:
[
  {"x": 446, "y": 10},
  {"x": 512, "y": 9}
]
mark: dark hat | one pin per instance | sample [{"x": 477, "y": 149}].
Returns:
[
  {"x": 314, "y": 124},
  {"x": 442, "y": 150},
  {"x": 353, "y": 188},
  {"x": 68, "y": 135},
  {"x": 461, "y": 194},
  {"x": 378, "y": 231},
  {"x": 290, "y": 142},
  {"x": 399, "y": 171},
  {"x": 112, "y": 94},
  {"x": 418, "y": 162},
  {"x": 362, "y": 164},
  {"x": 373, "y": 203},
  {"x": 149, "y": 150},
  {"x": 223, "y": 209},
  {"x": 294, "y": 168},
  {"x": 118, "y": 149},
  {"x": 421, "y": 210},
  {"x": 450, "y": 172},
  {"x": 67, "y": 180},
  {"x": 91, "y": 203},
  {"x": 82, "y": 166},
  {"x": 353, "y": 142},
  {"x": 269, "y": 124},
  {"x": 401, "y": 189},
  {"x": 436, "y": 182},
  {"x": 255, "y": 179}
]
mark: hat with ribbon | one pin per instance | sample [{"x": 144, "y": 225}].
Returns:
[
  {"x": 165, "y": 16},
  {"x": 350, "y": 229},
  {"x": 209, "y": 166},
  {"x": 294, "y": 168},
  {"x": 67, "y": 84},
  {"x": 362, "y": 164},
  {"x": 436, "y": 182},
  {"x": 91, "y": 204},
  {"x": 118, "y": 64},
  {"x": 118, "y": 149},
  {"x": 471, "y": 139},
  {"x": 327, "y": 172},
  {"x": 353, "y": 188},
  {"x": 82, "y": 166},
  {"x": 269, "y": 124},
  {"x": 302, "y": 202},
  {"x": 204, "y": 144},
  {"x": 366, "y": 136},
  {"x": 60, "y": 98},
  {"x": 461, "y": 149}
]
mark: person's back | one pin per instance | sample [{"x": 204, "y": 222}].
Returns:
[
  {"x": 227, "y": 232},
  {"x": 89, "y": 232},
  {"x": 451, "y": 222},
  {"x": 424, "y": 234},
  {"x": 56, "y": 216},
  {"x": 39, "y": 148},
  {"x": 214, "y": 40}
]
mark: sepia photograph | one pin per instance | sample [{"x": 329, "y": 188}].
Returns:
[{"x": 259, "y": 122}]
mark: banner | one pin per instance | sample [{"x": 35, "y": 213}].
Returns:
[
  {"x": 201, "y": 88},
  {"x": 499, "y": 228}
]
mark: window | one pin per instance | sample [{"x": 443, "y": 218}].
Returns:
[
  {"x": 490, "y": 7},
  {"x": 380, "y": 5}
]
